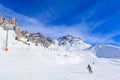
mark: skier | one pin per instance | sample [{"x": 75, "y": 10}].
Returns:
[{"x": 89, "y": 69}]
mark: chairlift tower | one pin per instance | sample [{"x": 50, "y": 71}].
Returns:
[{"x": 7, "y": 28}]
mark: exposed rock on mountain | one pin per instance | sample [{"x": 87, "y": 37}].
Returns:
[
  {"x": 36, "y": 38},
  {"x": 72, "y": 43},
  {"x": 1, "y": 18},
  {"x": 51, "y": 40}
]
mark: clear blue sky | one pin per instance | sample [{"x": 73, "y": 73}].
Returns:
[{"x": 97, "y": 20}]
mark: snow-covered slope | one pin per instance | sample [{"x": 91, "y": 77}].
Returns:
[
  {"x": 106, "y": 51},
  {"x": 30, "y": 62}
]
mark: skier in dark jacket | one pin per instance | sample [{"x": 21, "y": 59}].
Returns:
[{"x": 89, "y": 69}]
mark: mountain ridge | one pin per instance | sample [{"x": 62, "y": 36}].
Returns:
[{"x": 68, "y": 42}]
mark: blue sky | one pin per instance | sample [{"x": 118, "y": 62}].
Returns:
[{"x": 95, "y": 21}]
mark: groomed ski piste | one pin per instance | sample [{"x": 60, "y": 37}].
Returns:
[{"x": 30, "y": 62}]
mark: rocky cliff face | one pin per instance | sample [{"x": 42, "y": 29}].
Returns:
[
  {"x": 37, "y": 38},
  {"x": 40, "y": 39},
  {"x": 1, "y": 18},
  {"x": 10, "y": 22}
]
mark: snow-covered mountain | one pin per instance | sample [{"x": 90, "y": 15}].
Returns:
[
  {"x": 63, "y": 59},
  {"x": 30, "y": 62},
  {"x": 105, "y": 51},
  {"x": 72, "y": 43}
]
